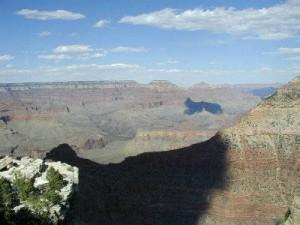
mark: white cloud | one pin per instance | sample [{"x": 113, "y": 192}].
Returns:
[
  {"x": 91, "y": 55},
  {"x": 49, "y": 15},
  {"x": 167, "y": 62},
  {"x": 60, "y": 57},
  {"x": 102, "y": 23},
  {"x": 13, "y": 71},
  {"x": 265, "y": 69},
  {"x": 72, "y": 49},
  {"x": 6, "y": 58},
  {"x": 288, "y": 50},
  {"x": 73, "y": 52},
  {"x": 81, "y": 52},
  {"x": 44, "y": 34},
  {"x": 277, "y": 22},
  {"x": 216, "y": 42},
  {"x": 166, "y": 70},
  {"x": 87, "y": 67},
  {"x": 295, "y": 58},
  {"x": 128, "y": 49},
  {"x": 57, "y": 57},
  {"x": 114, "y": 71},
  {"x": 293, "y": 53}
]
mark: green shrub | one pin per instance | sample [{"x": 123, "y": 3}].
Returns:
[
  {"x": 7, "y": 196},
  {"x": 53, "y": 197},
  {"x": 55, "y": 179},
  {"x": 24, "y": 187}
]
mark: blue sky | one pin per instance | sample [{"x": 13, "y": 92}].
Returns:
[{"x": 182, "y": 41}]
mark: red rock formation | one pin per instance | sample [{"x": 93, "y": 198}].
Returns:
[{"x": 263, "y": 163}]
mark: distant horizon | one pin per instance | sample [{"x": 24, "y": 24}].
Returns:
[{"x": 142, "y": 83}]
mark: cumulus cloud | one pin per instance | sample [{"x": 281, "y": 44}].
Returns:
[
  {"x": 44, "y": 34},
  {"x": 102, "y": 23},
  {"x": 79, "y": 52},
  {"x": 6, "y": 58},
  {"x": 49, "y": 15},
  {"x": 277, "y": 22}
]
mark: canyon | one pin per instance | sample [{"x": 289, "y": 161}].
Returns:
[
  {"x": 245, "y": 174},
  {"x": 107, "y": 121}
]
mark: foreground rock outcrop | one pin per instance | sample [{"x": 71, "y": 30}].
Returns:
[
  {"x": 21, "y": 173},
  {"x": 245, "y": 175}
]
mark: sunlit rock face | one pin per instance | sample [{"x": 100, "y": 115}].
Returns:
[
  {"x": 263, "y": 161},
  {"x": 293, "y": 215}
]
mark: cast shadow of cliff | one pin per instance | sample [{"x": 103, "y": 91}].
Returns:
[
  {"x": 197, "y": 107},
  {"x": 158, "y": 188}
]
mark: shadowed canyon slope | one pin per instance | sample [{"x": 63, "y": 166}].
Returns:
[
  {"x": 108, "y": 121},
  {"x": 245, "y": 175}
]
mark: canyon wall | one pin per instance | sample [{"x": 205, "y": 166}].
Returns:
[{"x": 247, "y": 174}]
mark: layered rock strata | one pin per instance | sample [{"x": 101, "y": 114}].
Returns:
[
  {"x": 245, "y": 175},
  {"x": 99, "y": 118}
]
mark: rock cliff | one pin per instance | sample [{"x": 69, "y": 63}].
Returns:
[
  {"x": 263, "y": 162},
  {"x": 293, "y": 216},
  {"x": 245, "y": 175}
]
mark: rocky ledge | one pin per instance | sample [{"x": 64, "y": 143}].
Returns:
[{"x": 40, "y": 186}]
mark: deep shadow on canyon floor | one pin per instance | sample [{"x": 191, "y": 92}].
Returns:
[{"x": 158, "y": 188}]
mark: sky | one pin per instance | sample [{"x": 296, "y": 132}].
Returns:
[{"x": 186, "y": 42}]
